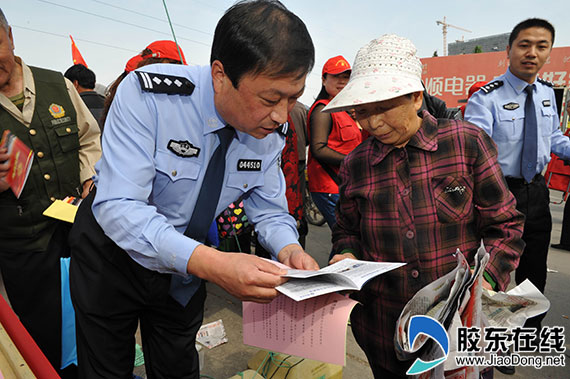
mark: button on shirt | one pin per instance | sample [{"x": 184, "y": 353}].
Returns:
[
  {"x": 146, "y": 193},
  {"x": 501, "y": 114}
]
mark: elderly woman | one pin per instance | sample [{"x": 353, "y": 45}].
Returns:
[{"x": 416, "y": 192}]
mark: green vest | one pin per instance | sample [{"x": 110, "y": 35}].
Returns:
[{"x": 53, "y": 135}]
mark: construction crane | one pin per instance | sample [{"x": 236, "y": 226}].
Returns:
[{"x": 445, "y": 25}]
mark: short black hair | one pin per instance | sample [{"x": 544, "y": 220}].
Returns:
[
  {"x": 531, "y": 23},
  {"x": 262, "y": 36},
  {"x": 84, "y": 76}
]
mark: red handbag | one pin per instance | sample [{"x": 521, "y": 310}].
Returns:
[{"x": 557, "y": 174}]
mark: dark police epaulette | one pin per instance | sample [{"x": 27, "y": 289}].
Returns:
[
  {"x": 492, "y": 86},
  {"x": 168, "y": 84},
  {"x": 545, "y": 82},
  {"x": 283, "y": 129}
]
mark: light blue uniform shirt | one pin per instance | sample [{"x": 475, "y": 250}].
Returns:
[
  {"x": 501, "y": 114},
  {"x": 146, "y": 193}
]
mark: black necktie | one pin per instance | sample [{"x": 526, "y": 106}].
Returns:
[
  {"x": 204, "y": 212},
  {"x": 530, "y": 142}
]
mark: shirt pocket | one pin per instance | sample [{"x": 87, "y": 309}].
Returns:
[
  {"x": 68, "y": 137},
  {"x": 175, "y": 177},
  {"x": 245, "y": 181},
  {"x": 547, "y": 117},
  {"x": 510, "y": 126},
  {"x": 349, "y": 132},
  {"x": 453, "y": 198}
]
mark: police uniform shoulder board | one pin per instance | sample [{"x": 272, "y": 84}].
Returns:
[
  {"x": 489, "y": 87},
  {"x": 168, "y": 84},
  {"x": 545, "y": 82}
]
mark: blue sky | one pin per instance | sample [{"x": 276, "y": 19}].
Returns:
[{"x": 109, "y": 32}]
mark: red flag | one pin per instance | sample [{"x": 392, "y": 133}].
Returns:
[{"x": 75, "y": 54}]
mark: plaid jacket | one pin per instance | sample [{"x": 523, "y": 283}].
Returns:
[{"x": 417, "y": 204}]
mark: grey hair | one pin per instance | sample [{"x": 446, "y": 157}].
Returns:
[{"x": 3, "y": 21}]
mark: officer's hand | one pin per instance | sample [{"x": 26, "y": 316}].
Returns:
[
  {"x": 340, "y": 257},
  {"x": 86, "y": 187},
  {"x": 294, "y": 256},
  {"x": 4, "y": 167},
  {"x": 247, "y": 277}
]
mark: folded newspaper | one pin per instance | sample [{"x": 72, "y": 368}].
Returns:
[
  {"x": 345, "y": 275},
  {"x": 458, "y": 299}
]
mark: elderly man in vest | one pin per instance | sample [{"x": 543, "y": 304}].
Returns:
[{"x": 45, "y": 111}]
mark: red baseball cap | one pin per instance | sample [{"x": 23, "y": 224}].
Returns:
[
  {"x": 164, "y": 49},
  {"x": 336, "y": 65},
  {"x": 133, "y": 63}
]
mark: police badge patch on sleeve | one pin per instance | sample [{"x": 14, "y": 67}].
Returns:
[{"x": 183, "y": 149}]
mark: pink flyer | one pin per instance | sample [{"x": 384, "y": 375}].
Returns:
[{"x": 314, "y": 328}]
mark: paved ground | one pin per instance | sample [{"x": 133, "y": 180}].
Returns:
[{"x": 226, "y": 360}]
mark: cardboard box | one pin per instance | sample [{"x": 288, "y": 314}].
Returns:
[{"x": 247, "y": 374}]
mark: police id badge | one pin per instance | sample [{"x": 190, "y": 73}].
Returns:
[{"x": 249, "y": 165}]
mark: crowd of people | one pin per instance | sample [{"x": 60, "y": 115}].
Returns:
[{"x": 164, "y": 160}]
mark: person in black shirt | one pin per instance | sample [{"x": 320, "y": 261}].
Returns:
[{"x": 84, "y": 81}]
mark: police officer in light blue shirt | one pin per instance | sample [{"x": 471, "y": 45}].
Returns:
[
  {"x": 167, "y": 168},
  {"x": 499, "y": 108},
  {"x": 131, "y": 244}
]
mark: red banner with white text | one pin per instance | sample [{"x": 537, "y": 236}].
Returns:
[{"x": 449, "y": 78}]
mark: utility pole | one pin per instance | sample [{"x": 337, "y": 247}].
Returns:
[{"x": 445, "y": 25}]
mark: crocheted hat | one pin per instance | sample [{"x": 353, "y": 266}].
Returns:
[{"x": 385, "y": 68}]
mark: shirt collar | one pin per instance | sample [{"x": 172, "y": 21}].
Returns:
[
  {"x": 424, "y": 139},
  {"x": 518, "y": 84},
  {"x": 29, "y": 86},
  {"x": 426, "y": 136},
  {"x": 212, "y": 119}
]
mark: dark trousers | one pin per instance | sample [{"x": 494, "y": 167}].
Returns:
[
  {"x": 112, "y": 294},
  {"x": 533, "y": 200},
  {"x": 565, "y": 235},
  {"x": 33, "y": 284}
]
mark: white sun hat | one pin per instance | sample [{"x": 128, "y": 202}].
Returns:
[{"x": 385, "y": 68}]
